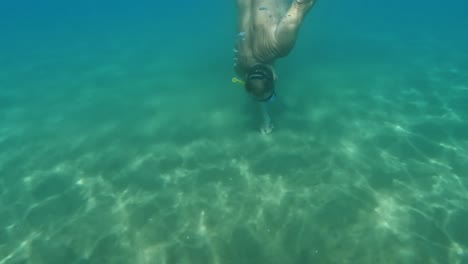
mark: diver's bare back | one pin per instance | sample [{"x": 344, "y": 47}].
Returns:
[{"x": 264, "y": 33}]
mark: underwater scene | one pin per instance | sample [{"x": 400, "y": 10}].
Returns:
[{"x": 123, "y": 138}]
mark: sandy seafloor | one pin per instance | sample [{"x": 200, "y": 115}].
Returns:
[{"x": 134, "y": 147}]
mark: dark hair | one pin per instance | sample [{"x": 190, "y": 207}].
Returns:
[{"x": 260, "y": 82}]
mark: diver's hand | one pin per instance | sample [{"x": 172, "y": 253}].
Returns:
[
  {"x": 266, "y": 129},
  {"x": 304, "y": 1}
]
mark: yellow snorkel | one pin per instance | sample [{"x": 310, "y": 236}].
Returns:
[{"x": 238, "y": 81}]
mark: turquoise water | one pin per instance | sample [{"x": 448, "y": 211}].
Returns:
[{"x": 123, "y": 140}]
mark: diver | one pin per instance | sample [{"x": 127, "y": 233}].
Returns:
[{"x": 266, "y": 33}]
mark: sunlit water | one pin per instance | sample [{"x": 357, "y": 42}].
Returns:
[{"x": 125, "y": 141}]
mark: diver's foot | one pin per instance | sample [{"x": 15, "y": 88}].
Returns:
[
  {"x": 301, "y": 2},
  {"x": 265, "y": 130}
]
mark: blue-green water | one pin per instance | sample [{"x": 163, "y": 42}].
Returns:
[{"x": 122, "y": 139}]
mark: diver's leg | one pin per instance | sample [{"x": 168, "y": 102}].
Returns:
[
  {"x": 296, "y": 13},
  {"x": 288, "y": 27}
]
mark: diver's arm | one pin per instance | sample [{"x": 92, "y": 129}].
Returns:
[
  {"x": 243, "y": 3},
  {"x": 266, "y": 127},
  {"x": 288, "y": 27},
  {"x": 244, "y": 9}
]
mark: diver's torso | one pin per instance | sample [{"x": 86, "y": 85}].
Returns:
[{"x": 256, "y": 41}]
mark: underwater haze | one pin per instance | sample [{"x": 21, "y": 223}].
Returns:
[{"x": 123, "y": 139}]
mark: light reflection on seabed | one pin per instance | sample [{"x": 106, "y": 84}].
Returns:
[{"x": 380, "y": 185}]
